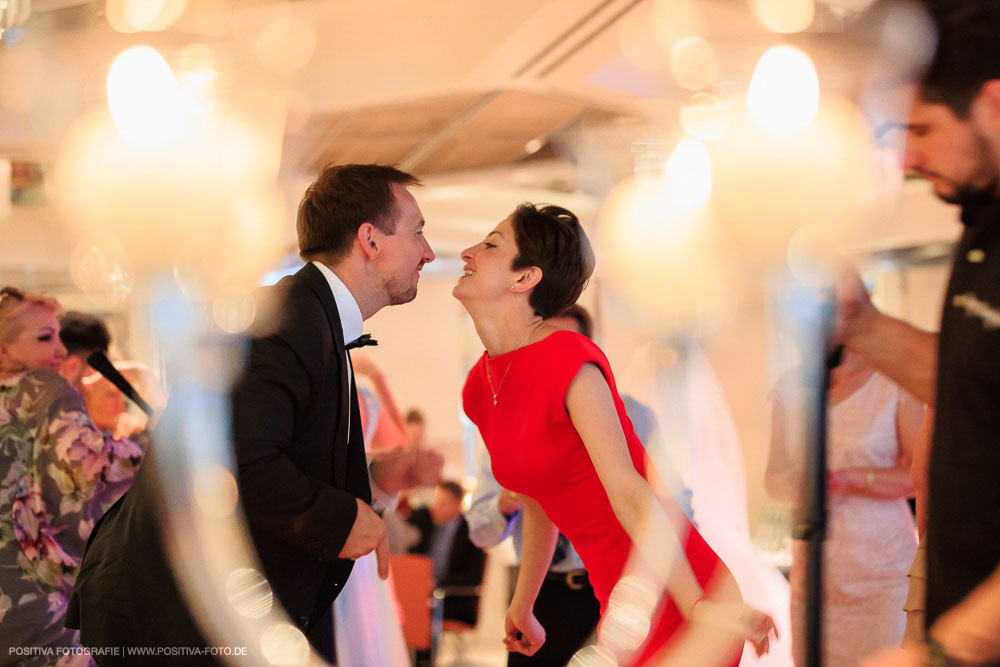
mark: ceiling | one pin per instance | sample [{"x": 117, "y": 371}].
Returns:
[{"x": 488, "y": 102}]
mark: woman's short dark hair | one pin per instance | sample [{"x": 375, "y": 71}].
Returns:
[
  {"x": 551, "y": 238},
  {"x": 340, "y": 201}
]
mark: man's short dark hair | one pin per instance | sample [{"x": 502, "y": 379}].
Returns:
[
  {"x": 454, "y": 488},
  {"x": 82, "y": 333},
  {"x": 967, "y": 55},
  {"x": 340, "y": 201},
  {"x": 583, "y": 319},
  {"x": 551, "y": 238}
]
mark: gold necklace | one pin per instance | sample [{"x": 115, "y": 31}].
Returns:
[{"x": 486, "y": 362}]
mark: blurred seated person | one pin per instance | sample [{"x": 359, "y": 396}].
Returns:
[
  {"x": 81, "y": 334},
  {"x": 444, "y": 536},
  {"x": 110, "y": 409},
  {"x": 58, "y": 474}
]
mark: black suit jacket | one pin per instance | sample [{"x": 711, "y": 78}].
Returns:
[{"x": 301, "y": 464}]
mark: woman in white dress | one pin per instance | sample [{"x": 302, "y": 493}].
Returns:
[{"x": 871, "y": 536}]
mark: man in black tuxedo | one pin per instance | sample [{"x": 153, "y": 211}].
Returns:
[{"x": 302, "y": 476}]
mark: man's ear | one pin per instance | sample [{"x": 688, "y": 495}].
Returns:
[
  {"x": 528, "y": 278},
  {"x": 71, "y": 366},
  {"x": 989, "y": 95},
  {"x": 368, "y": 240}
]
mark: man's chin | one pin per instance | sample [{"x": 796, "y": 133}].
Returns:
[
  {"x": 399, "y": 298},
  {"x": 966, "y": 196}
]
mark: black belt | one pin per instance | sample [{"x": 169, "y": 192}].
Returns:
[{"x": 573, "y": 579}]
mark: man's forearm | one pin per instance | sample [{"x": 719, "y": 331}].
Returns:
[
  {"x": 905, "y": 354},
  {"x": 970, "y": 631}
]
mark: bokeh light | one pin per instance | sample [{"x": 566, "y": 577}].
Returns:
[
  {"x": 208, "y": 200},
  {"x": 249, "y": 592},
  {"x": 693, "y": 63},
  {"x": 284, "y": 644},
  {"x": 234, "y": 310},
  {"x": 286, "y": 44},
  {"x": 594, "y": 656},
  {"x": 130, "y": 16},
  {"x": 688, "y": 175},
  {"x": 197, "y": 76},
  {"x": 636, "y": 590},
  {"x": 784, "y": 91},
  {"x": 99, "y": 267},
  {"x": 116, "y": 12},
  {"x": 784, "y": 16},
  {"x": 705, "y": 117},
  {"x": 215, "y": 491},
  {"x": 665, "y": 262},
  {"x": 765, "y": 186},
  {"x": 813, "y": 255},
  {"x": 144, "y": 97},
  {"x": 623, "y": 629}
]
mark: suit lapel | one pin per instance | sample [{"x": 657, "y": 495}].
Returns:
[{"x": 319, "y": 285}]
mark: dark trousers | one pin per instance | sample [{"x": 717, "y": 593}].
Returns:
[{"x": 569, "y": 616}]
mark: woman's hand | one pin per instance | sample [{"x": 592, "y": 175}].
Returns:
[
  {"x": 737, "y": 619},
  {"x": 524, "y": 633}
]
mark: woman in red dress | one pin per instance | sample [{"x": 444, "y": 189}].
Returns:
[{"x": 547, "y": 407}]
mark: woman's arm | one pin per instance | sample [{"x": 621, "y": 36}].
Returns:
[
  {"x": 592, "y": 410},
  {"x": 887, "y": 483},
  {"x": 524, "y": 633}
]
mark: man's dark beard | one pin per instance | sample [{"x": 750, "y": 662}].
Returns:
[{"x": 967, "y": 195}]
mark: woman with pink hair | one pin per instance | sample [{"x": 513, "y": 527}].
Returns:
[{"x": 58, "y": 474}]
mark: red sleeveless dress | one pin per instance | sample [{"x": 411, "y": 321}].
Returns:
[{"x": 536, "y": 451}]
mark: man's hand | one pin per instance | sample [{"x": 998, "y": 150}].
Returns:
[
  {"x": 508, "y": 503},
  {"x": 367, "y": 535},
  {"x": 397, "y": 468},
  {"x": 853, "y": 305}
]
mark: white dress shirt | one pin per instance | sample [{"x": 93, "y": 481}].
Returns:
[{"x": 351, "y": 324}]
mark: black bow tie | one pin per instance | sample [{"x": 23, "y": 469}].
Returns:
[{"x": 361, "y": 341}]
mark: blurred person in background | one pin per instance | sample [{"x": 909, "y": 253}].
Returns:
[
  {"x": 953, "y": 141},
  {"x": 81, "y": 334},
  {"x": 416, "y": 427},
  {"x": 111, "y": 410},
  {"x": 871, "y": 538},
  {"x": 444, "y": 536},
  {"x": 58, "y": 474}
]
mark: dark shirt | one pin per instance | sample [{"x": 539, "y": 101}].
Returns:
[{"x": 963, "y": 534}]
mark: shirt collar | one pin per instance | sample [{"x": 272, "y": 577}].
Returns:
[{"x": 350, "y": 313}]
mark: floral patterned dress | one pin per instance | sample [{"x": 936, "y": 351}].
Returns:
[{"x": 58, "y": 474}]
